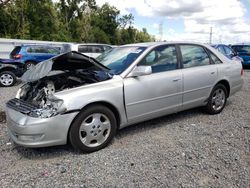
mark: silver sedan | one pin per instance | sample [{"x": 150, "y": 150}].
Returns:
[{"x": 75, "y": 98}]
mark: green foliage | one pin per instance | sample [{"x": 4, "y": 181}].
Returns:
[{"x": 68, "y": 20}]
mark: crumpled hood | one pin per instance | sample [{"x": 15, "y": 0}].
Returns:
[{"x": 63, "y": 62}]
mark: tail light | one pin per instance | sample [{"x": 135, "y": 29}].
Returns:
[
  {"x": 17, "y": 56},
  {"x": 241, "y": 72}
]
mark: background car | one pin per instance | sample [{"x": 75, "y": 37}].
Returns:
[
  {"x": 89, "y": 49},
  {"x": 30, "y": 55},
  {"x": 9, "y": 71},
  {"x": 227, "y": 51},
  {"x": 243, "y": 51}
]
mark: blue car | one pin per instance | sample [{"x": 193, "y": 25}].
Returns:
[
  {"x": 228, "y": 52},
  {"x": 243, "y": 50},
  {"x": 30, "y": 55}
]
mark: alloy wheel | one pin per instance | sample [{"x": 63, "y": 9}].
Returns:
[
  {"x": 6, "y": 79},
  {"x": 218, "y": 99},
  {"x": 95, "y": 130}
]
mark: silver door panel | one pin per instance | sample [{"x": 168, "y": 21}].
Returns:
[{"x": 153, "y": 95}]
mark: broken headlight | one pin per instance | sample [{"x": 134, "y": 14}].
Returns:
[{"x": 51, "y": 108}]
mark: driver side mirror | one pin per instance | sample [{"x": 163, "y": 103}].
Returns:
[{"x": 140, "y": 71}]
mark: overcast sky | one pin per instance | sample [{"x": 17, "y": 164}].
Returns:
[{"x": 190, "y": 20}]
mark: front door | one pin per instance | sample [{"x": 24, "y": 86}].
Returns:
[{"x": 156, "y": 94}]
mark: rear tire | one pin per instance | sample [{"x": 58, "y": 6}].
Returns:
[
  {"x": 217, "y": 99},
  {"x": 93, "y": 129},
  {"x": 7, "y": 79}
]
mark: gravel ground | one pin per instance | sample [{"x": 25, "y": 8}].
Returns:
[{"x": 188, "y": 149}]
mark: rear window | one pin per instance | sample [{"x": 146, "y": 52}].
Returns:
[
  {"x": 242, "y": 48},
  {"x": 15, "y": 51}
]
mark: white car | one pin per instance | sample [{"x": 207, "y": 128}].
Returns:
[{"x": 89, "y": 49}]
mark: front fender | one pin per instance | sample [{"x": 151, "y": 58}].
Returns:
[{"x": 109, "y": 91}]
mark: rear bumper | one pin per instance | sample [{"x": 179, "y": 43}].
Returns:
[
  {"x": 37, "y": 132},
  {"x": 237, "y": 87}
]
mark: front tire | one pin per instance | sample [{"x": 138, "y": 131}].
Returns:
[
  {"x": 93, "y": 129},
  {"x": 217, "y": 99},
  {"x": 7, "y": 79}
]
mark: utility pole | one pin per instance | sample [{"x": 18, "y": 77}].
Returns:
[
  {"x": 160, "y": 31},
  {"x": 211, "y": 35}
]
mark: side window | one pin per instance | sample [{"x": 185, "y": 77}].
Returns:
[
  {"x": 215, "y": 59},
  {"x": 162, "y": 58},
  {"x": 228, "y": 50},
  {"x": 106, "y": 48},
  {"x": 83, "y": 49},
  {"x": 37, "y": 49},
  {"x": 52, "y": 51},
  {"x": 96, "y": 49},
  {"x": 30, "y": 50},
  {"x": 193, "y": 56},
  {"x": 221, "y": 49}
]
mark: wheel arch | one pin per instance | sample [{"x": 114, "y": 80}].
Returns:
[
  {"x": 11, "y": 69},
  {"x": 103, "y": 103},
  {"x": 226, "y": 84},
  {"x": 30, "y": 60}
]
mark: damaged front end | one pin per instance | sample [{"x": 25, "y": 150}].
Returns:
[{"x": 36, "y": 98}]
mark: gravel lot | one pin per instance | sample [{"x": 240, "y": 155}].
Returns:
[{"x": 188, "y": 149}]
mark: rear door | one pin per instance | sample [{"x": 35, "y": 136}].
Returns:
[
  {"x": 199, "y": 75},
  {"x": 156, "y": 94}
]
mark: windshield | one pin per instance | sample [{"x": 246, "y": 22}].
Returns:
[{"x": 118, "y": 59}]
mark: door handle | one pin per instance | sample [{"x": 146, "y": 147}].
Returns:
[
  {"x": 176, "y": 80},
  {"x": 212, "y": 72}
]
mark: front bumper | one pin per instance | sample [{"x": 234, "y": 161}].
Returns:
[{"x": 38, "y": 132}]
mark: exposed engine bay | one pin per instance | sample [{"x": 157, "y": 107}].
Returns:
[
  {"x": 38, "y": 91},
  {"x": 36, "y": 97}
]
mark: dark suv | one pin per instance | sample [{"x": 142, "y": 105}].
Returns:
[
  {"x": 9, "y": 71},
  {"x": 30, "y": 55}
]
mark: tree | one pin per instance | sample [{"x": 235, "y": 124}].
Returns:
[
  {"x": 105, "y": 19},
  {"x": 126, "y": 20},
  {"x": 68, "y": 20}
]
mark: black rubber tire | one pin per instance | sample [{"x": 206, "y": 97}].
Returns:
[
  {"x": 74, "y": 137},
  {"x": 208, "y": 108},
  {"x": 12, "y": 75},
  {"x": 28, "y": 64}
]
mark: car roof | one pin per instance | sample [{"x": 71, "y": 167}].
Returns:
[
  {"x": 240, "y": 45},
  {"x": 101, "y": 44},
  {"x": 35, "y": 45},
  {"x": 152, "y": 44}
]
